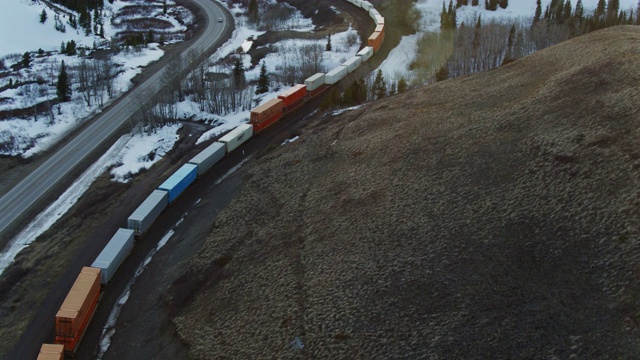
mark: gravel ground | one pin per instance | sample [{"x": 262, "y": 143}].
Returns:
[{"x": 492, "y": 216}]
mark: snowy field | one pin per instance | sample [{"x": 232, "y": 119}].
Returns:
[{"x": 397, "y": 63}]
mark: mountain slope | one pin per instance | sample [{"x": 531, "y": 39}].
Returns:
[{"x": 489, "y": 216}]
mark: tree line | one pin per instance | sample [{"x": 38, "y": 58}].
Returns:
[{"x": 462, "y": 49}]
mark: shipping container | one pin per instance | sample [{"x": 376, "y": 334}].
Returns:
[
  {"x": 148, "y": 211},
  {"x": 179, "y": 181},
  {"x": 237, "y": 136},
  {"x": 335, "y": 75},
  {"x": 293, "y": 95},
  {"x": 373, "y": 13},
  {"x": 269, "y": 112},
  {"x": 366, "y": 5},
  {"x": 51, "y": 352},
  {"x": 114, "y": 254},
  {"x": 375, "y": 41},
  {"x": 208, "y": 157},
  {"x": 379, "y": 20},
  {"x": 314, "y": 82},
  {"x": 78, "y": 308},
  {"x": 380, "y": 29},
  {"x": 352, "y": 63},
  {"x": 357, "y": 3},
  {"x": 366, "y": 53}
]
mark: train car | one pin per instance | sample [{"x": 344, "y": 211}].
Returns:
[
  {"x": 208, "y": 157},
  {"x": 179, "y": 181},
  {"x": 373, "y": 13},
  {"x": 379, "y": 20},
  {"x": 315, "y": 84},
  {"x": 237, "y": 137},
  {"x": 380, "y": 29},
  {"x": 266, "y": 114},
  {"x": 293, "y": 97},
  {"x": 114, "y": 254},
  {"x": 352, "y": 64},
  {"x": 77, "y": 309},
  {"x": 357, "y": 3},
  {"x": 365, "y": 54},
  {"x": 366, "y": 5},
  {"x": 375, "y": 41},
  {"x": 147, "y": 212},
  {"x": 335, "y": 75},
  {"x": 51, "y": 352}
]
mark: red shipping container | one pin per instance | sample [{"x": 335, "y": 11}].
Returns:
[
  {"x": 266, "y": 111},
  {"x": 265, "y": 124},
  {"x": 77, "y": 308},
  {"x": 292, "y": 95}
]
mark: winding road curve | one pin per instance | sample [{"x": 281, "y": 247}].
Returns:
[{"x": 70, "y": 156}]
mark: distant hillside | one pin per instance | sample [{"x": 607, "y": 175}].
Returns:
[{"x": 492, "y": 216}]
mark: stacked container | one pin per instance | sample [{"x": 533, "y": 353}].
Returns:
[
  {"x": 114, "y": 254},
  {"x": 51, "y": 352},
  {"x": 293, "y": 97},
  {"x": 314, "y": 84},
  {"x": 366, "y": 53},
  {"x": 352, "y": 63},
  {"x": 335, "y": 75},
  {"x": 208, "y": 157},
  {"x": 375, "y": 40},
  {"x": 237, "y": 137},
  {"x": 179, "y": 181},
  {"x": 266, "y": 114},
  {"x": 77, "y": 308},
  {"x": 147, "y": 212}
]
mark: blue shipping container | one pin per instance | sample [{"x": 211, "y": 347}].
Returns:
[{"x": 179, "y": 181}]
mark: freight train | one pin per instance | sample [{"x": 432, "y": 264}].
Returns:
[{"x": 78, "y": 307}]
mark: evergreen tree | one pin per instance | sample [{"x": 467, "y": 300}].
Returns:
[
  {"x": 379, "y": 85},
  {"x": 503, "y": 3},
  {"x": 238, "y": 74},
  {"x": 43, "y": 16},
  {"x": 63, "y": 88},
  {"x": 538, "y": 15},
  {"x": 63, "y": 48},
  {"x": 613, "y": 7},
  {"x": 328, "y": 46},
  {"x": 26, "y": 59},
  {"x": 72, "y": 21},
  {"x": 150, "y": 38},
  {"x": 579, "y": 13},
  {"x": 402, "y": 85},
  {"x": 70, "y": 48},
  {"x": 443, "y": 73},
  {"x": 567, "y": 11},
  {"x": 474, "y": 2},
  {"x": 253, "y": 11},
  {"x": 263, "y": 80},
  {"x": 164, "y": 7},
  {"x": 600, "y": 9}
]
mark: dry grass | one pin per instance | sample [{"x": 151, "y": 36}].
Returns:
[{"x": 489, "y": 216}]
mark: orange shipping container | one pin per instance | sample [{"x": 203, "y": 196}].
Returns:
[
  {"x": 375, "y": 40},
  {"x": 77, "y": 308},
  {"x": 51, "y": 352},
  {"x": 292, "y": 95},
  {"x": 267, "y": 111}
]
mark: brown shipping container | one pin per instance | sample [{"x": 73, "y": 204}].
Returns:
[
  {"x": 292, "y": 95},
  {"x": 266, "y": 111},
  {"x": 77, "y": 308},
  {"x": 51, "y": 352},
  {"x": 375, "y": 40}
]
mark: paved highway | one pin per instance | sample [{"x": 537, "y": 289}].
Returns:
[{"x": 68, "y": 158}]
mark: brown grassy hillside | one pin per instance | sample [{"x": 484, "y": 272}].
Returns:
[{"x": 492, "y": 216}]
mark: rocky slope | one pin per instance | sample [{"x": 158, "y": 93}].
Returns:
[{"x": 492, "y": 216}]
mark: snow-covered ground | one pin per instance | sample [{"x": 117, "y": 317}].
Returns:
[{"x": 397, "y": 63}]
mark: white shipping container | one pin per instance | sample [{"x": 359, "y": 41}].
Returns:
[
  {"x": 314, "y": 82},
  {"x": 379, "y": 20},
  {"x": 357, "y": 3},
  {"x": 352, "y": 63},
  {"x": 335, "y": 75},
  {"x": 237, "y": 136},
  {"x": 208, "y": 157},
  {"x": 373, "y": 13},
  {"x": 114, "y": 254},
  {"x": 148, "y": 211},
  {"x": 366, "y": 5},
  {"x": 366, "y": 53}
]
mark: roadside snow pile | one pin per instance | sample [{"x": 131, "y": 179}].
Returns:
[{"x": 141, "y": 152}]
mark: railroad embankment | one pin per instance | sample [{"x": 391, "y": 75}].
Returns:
[{"x": 491, "y": 216}]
